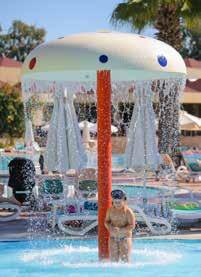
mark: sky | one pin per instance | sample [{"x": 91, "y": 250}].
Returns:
[{"x": 62, "y": 17}]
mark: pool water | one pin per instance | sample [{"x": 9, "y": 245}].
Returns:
[
  {"x": 118, "y": 160},
  {"x": 5, "y": 160},
  {"x": 138, "y": 191},
  {"x": 79, "y": 258}
]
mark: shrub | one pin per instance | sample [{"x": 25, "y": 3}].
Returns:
[{"x": 11, "y": 112}]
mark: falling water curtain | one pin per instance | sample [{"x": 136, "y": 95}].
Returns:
[{"x": 169, "y": 93}]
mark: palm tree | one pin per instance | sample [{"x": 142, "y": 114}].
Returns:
[{"x": 169, "y": 18}]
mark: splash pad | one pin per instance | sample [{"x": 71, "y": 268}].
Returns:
[
  {"x": 79, "y": 258},
  {"x": 110, "y": 63}
]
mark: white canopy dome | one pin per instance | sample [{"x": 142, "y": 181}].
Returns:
[{"x": 128, "y": 56}]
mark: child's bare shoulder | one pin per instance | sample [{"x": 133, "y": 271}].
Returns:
[{"x": 129, "y": 211}]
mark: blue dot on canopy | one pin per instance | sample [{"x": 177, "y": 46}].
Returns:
[
  {"x": 103, "y": 58},
  {"x": 162, "y": 60}
]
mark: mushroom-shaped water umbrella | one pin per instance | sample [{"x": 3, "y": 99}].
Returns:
[
  {"x": 64, "y": 149},
  {"x": 89, "y": 57}
]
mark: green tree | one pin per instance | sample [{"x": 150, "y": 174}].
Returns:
[
  {"x": 11, "y": 112},
  {"x": 20, "y": 40}
]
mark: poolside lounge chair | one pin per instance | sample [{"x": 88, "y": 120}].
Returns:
[
  {"x": 87, "y": 182},
  {"x": 156, "y": 225},
  {"x": 89, "y": 218},
  {"x": 9, "y": 206},
  {"x": 192, "y": 160},
  {"x": 50, "y": 189},
  {"x": 88, "y": 188},
  {"x": 9, "y": 211},
  {"x": 187, "y": 217},
  {"x": 185, "y": 207},
  {"x": 51, "y": 186}
]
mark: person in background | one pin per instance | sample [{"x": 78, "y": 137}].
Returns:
[
  {"x": 41, "y": 163},
  {"x": 120, "y": 221}
]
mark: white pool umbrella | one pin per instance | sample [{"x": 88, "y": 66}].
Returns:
[
  {"x": 189, "y": 122},
  {"x": 85, "y": 133},
  {"x": 83, "y": 124},
  {"x": 94, "y": 129},
  {"x": 29, "y": 135},
  {"x": 141, "y": 150},
  {"x": 64, "y": 149}
]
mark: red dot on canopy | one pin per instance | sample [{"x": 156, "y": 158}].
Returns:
[{"x": 32, "y": 63}]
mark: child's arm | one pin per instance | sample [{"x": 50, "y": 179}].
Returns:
[{"x": 108, "y": 224}]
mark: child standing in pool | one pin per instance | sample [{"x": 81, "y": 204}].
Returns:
[{"x": 120, "y": 221}]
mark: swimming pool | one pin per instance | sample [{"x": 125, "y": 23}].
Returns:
[
  {"x": 133, "y": 191},
  {"x": 118, "y": 160},
  {"x": 5, "y": 160},
  {"x": 78, "y": 258}
]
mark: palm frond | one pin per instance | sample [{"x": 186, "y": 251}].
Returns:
[
  {"x": 137, "y": 13},
  {"x": 191, "y": 14}
]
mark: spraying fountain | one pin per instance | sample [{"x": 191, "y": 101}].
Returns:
[{"x": 108, "y": 62}]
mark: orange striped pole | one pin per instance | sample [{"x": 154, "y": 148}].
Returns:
[{"x": 104, "y": 158}]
